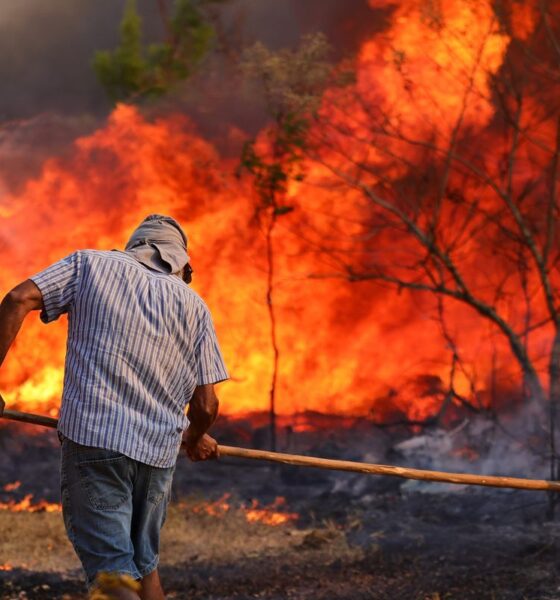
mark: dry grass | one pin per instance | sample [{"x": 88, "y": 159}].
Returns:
[{"x": 37, "y": 541}]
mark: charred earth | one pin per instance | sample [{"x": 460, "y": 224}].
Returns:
[{"x": 252, "y": 530}]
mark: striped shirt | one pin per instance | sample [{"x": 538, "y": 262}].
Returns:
[{"x": 139, "y": 342}]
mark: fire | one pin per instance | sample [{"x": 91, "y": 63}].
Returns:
[
  {"x": 349, "y": 349},
  {"x": 273, "y": 514},
  {"x": 11, "y": 487},
  {"x": 6, "y": 567},
  {"x": 437, "y": 44},
  {"x": 27, "y": 505},
  {"x": 269, "y": 515},
  {"x": 217, "y": 508}
]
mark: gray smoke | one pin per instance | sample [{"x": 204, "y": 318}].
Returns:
[
  {"x": 46, "y": 48},
  {"x": 50, "y": 94}
]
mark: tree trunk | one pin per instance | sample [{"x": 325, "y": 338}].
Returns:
[
  {"x": 273, "y": 333},
  {"x": 554, "y": 397}
]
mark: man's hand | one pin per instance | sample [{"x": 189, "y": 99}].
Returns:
[
  {"x": 204, "y": 448},
  {"x": 202, "y": 412}
]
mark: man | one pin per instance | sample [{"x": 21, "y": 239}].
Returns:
[{"x": 141, "y": 345}]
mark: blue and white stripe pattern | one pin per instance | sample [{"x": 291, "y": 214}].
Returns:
[{"x": 139, "y": 342}]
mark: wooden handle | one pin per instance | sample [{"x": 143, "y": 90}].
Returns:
[
  {"x": 345, "y": 465},
  {"x": 404, "y": 472},
  {"x": 23, "y": 417}
]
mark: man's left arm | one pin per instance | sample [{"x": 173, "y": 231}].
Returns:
[
  {"x": 203, "y": 406},
  {"x": 15, "y": 306}
]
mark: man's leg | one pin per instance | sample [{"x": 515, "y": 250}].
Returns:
[
  {"x": 151, "y": 587},
  {"x": 124, "y": 594},
  {"x": 96, "y": 488},
  {"x": 152, "y": 489}
]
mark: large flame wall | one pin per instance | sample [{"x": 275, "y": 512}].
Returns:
[{"x": 344, "y": 348}]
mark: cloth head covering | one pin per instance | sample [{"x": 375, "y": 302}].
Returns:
[{"x": 159, "y": 243}]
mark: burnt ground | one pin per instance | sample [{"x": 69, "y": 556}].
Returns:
[{"x": 356, "y": 536}]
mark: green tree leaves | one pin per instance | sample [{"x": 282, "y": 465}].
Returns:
[{"x": 131, "y": 72}]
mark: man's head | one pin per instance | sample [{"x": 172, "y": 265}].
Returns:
[{"x": 160, "y": 243}]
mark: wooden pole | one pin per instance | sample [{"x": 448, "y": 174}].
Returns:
[
  {"x": 403, "y": 472},
  {"x": 23, "y": 417},
  {"x": 346, "y": 465}
]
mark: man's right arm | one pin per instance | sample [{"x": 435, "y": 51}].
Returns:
[
  {"x": 202, "y": 412},
  {"x": 14, "y": 308}
]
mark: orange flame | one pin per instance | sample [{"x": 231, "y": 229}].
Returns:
[
  {"x": 27, "y": 505},
  {"x": 269, "y": 515},
  {"x": 344, "y": 348},
  {"x": 217, "y": 508},
  {"x": 10, "y": 487},
  {"x": 273, "y": 514}
]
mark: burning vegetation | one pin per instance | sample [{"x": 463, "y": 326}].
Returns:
[
  {"x": 376, "y": 234},
  {"x": 273, "y": 514},
  {"x": 431, "y": 169},
  {"x": 27, "y": 504}
]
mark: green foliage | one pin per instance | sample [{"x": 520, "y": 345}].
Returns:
[
  {"x": 273, "y": 167},
  {"x": 122, "y": 72},
  {"x": 131, "y": 72},
  {"x": 293, "y": 83}
]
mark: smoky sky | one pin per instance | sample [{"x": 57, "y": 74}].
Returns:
[
  {"x": 46, "y": 47},
  {"x": 50, "y": 96}
]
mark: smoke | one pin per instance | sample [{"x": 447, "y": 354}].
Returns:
[
  {"x": 26, "y": 144},
  {"x": 282, "y": 24},
  {"x": 46, "y": 48},
  {"x": 50, "y": 94}
]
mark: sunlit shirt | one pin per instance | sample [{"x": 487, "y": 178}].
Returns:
[{"x": 139, "y": 342}]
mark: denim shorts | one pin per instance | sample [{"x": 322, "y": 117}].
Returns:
[{"x": 113, "y": 509}]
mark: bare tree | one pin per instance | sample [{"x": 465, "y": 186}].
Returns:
[
  {"x": 291, "y": 83},
  {"x": 470, "y": 208},
  {"x": 465, "y": 209}
]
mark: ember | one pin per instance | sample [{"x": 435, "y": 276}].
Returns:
[{"x": 11, "y": 487}]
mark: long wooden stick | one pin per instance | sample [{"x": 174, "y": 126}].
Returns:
[{"x": 346, "y": 465}]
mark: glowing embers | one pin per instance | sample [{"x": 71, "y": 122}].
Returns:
[
  {"x": 12, "y": 487},
  {"x": 272, "y": 514}
]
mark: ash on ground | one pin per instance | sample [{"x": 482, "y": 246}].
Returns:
[{"x": 355, "y": 536}]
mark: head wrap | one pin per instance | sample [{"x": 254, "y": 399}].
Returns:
[{"x": 160, "y": 244}]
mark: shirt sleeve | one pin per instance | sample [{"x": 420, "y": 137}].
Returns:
[
  {"x": 58, "y": 284},
  {"x": 210, "y": 362}
]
